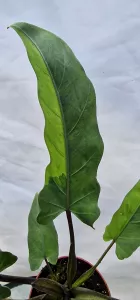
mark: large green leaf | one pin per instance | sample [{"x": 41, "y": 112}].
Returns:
[
  {"x": 4, "y": 292},
  {"x": 7, "y": 259},
  {"x": 68, "y": 101},
  {"x": 42, "y": 239},
  {"x": 124, "y": 228}
]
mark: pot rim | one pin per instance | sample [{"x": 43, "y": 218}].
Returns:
[{"x": 82, "y": 259}]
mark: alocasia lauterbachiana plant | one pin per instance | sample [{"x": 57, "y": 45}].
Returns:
[{"x": 68, "y": 102}]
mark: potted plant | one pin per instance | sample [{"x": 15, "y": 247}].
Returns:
[{"x": 68, "y": 101}]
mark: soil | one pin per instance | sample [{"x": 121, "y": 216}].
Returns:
[{"x": 95, "y": 282}]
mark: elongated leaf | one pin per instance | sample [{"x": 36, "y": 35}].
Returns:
[
  {"x": 124, "y": 228},
  {"x": 85, "y": 294},
  {"x": 4, "y": 292},
  {"x": 48, "y": 287},
  {"x": 40, "y": 297},
  {"x": 42, "y": 239},
  {"x": 7, "y": 259},
  {"x": 72, "y": 266},
  {"x": 85, "y": 276},
  {"x": 68, "y": 101}
]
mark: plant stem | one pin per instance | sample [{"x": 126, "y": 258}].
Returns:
[
  {"x": 17, "y": 279},
  {"x": 104, "y": 254},
  {"x": 72, "y": 261},
  {"x": 71, "y": 231},
  {"x": 90, "y": 272},
  {"x": 66, "y": 297}
]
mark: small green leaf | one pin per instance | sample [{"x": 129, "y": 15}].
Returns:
[
  {"x": 124, "y": 227},
  {"x": 86, "y": 294},
  {"x": 68, "y": 101},
  {"x": 7, "y": 259},
  {"x": 4, "y": 292},
  {"x": 49, "y": 287},
  {"x": 42, "y": 239}
]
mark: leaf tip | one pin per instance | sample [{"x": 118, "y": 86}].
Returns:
[
  {"x": 10, "y": 26},
  {"x": 16, "y": 258}
]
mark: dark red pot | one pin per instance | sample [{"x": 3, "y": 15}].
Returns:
[{"x": 96, "y": 281}]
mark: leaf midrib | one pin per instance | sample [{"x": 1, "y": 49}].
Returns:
[
  {"x": 124, "y": 227},
  {"x": 63, "y": 119}
]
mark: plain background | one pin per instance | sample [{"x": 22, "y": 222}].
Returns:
[{"x": 105, "y": 36}]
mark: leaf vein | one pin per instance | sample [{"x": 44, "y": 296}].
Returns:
[
  {"x": 54, "y": 204},
  {"x": 50, "y": 109},
  {"x": 81, "y": 114},
  {"x": 84, "y": 165},
  {"x": 82, "y": 198},
  {"x": 126, "y": 224},
  {"x": 55, "y": 146},
  {"x": 59, "y": 187},
  {"x": 81, "y": 213},
  {"x": 129, "y": 238}
]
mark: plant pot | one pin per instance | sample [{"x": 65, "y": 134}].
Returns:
[{"x": 95, "y": 282}]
